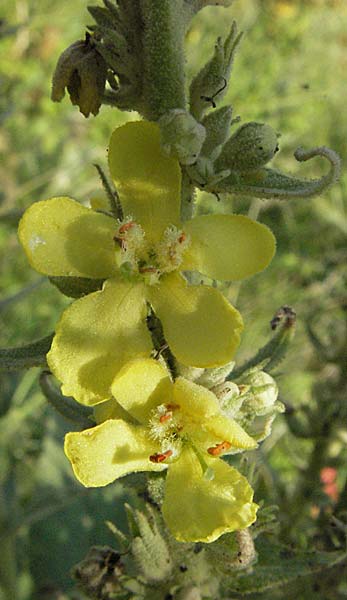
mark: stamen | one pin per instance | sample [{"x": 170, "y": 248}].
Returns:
[
  {"x": 218, "y": 449},
  {"x": 208, "y": 472},
  {"x": 160, "y": 457},
  {"x": 166, "y": 417},
  {"x": 126, "y": 226},
  {"x": 148, "y": 269},
  {"x": 182, "y": 238}
]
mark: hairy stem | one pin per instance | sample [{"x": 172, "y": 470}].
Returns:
[{"x": 163, "y": 39}]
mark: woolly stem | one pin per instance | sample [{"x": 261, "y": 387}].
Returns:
[{"x": 163, "y": 49}]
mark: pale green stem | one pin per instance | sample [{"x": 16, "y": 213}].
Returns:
[
  {"x": 163, "y": 47},
  {"x": 8, "y": 567}
]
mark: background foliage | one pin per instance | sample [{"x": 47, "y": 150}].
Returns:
[{"x": 289, "y": 72}]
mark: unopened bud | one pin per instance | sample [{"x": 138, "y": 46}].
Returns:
[
  {"x": 181, "y": 136},
  {"x": 251, "y": 147},
  {"x": 263, "y": 392}
]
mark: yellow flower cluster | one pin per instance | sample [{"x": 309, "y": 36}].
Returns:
[{"x": 102, "y": 347}]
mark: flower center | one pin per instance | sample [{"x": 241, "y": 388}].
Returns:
[
  {"x": 140, "y": 259},
  {"x": 172, "y": 428}
]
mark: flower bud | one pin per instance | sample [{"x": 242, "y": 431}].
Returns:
[
  {"x": 259, "y": 405},
  {"x": 181, "y": 136},
  {"x": 251, "y": 147},
  {"x": 263, "y": 392},
  {"x": 215, "y": 375},
  {"x": 82, "y": 71}
]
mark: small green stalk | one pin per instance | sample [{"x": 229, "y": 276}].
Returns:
[
  {"x": 163, "y": 45},
  {"x": 8, "y": 568}
]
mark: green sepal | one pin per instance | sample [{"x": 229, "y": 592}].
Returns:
[
  {"x": 271, "y": 183},
  {"x": 25, "y": 357},
  {"x": 273, "y": 352},
  {"x": 117, "y": 38},
  {"x": 248, "y": 149},
  {"x": 279, "y": 565},
  {"x": 232, "y": 552},
  {"x": 192, "y": 7},
  {"x": 80, "y": 415},
  {"x": 217, "y": 125},
  {"x": 148, "y": 545},
  {"x": 102, "y": 16},
  {"x": 76, "y": 287},
  {"x": 210, "y": 84}
]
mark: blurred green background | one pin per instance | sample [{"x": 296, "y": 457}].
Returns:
[{"x": 289, "y": 72}]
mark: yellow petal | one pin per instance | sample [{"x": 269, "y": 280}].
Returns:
[
  {"x": 148, "y": 182},
  {"x": 200, "y": 326},
  {"x": 110, "y": 409},
  {"x": 194, "y": 399},
  {"x": 63, "y": 238},
  {"x": 197, "y": 509},
  {"x": 228, "y": 247},
  {"x": 96, "y": 336},
  {"x": 224, "y": 429},
  {"x": 106, "y": 452},
  {"x": 140, "y": 386}
]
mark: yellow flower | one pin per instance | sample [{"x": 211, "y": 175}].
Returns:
[
  {"x": 156, "y": 425},
  {"x": 140, "y": 258}
]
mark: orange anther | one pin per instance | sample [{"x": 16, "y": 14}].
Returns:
[
  {"x": 160, "y": 457},
  {"x": 148, "y": 269},
  {"x": 182, "y": 238},
  {"x": 218, "y": 449},
  {"x": 126, "y": 226},
  {"x": 165, "y": 417}
]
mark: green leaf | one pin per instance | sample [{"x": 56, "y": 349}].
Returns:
[
  {"x": 11, "y": 217},
  {"x": 76, "y": 287},
  {"x": 25, "y": 357},
  {"x": 279, "y": 565},
  {"x": 210, "y": 85},
  {"x": 80, "y": 415}
]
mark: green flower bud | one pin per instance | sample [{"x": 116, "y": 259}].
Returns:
[
  {"x": 259, "y": 406},
  {"x": 181, "y": 136},
  {"x": 82, "y": 71},
  {"x": 251, "y": 147},
  {"x": 215, "y": 375},
  {"x": 210, "y": 85},
  {"x": 263, "y": 393},
  {"x": 229, "y": 397}
]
